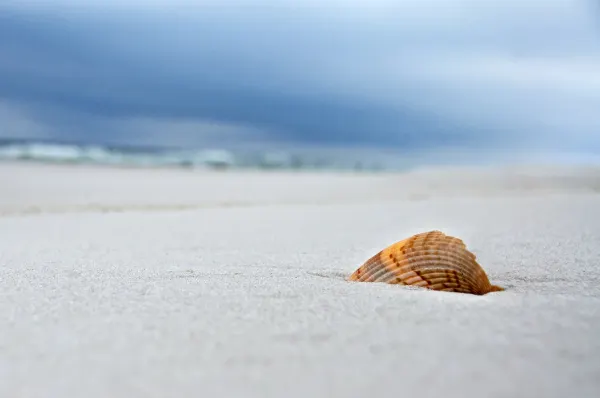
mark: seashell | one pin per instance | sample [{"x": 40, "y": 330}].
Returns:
[{"x": 431, "y": 260}]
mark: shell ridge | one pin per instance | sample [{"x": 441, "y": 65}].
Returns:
[
  {"x": 364, "y": 271},
  {"x": 450, "y": 260},
  {"x": 429, "y": 259},
  {"x": 425, "y": 271},
  {"x": 425, "y": 266}
]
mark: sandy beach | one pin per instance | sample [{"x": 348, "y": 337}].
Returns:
[{"x": 181, "y": 283}]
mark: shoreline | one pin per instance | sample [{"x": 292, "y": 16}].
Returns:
[{"x": 35, "y": 189}]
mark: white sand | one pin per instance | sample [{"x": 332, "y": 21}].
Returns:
[{"x": 139, "y": 283}]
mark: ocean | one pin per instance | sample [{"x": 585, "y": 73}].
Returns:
[
  {"x": 216, "y": 158},
  {"x": 272, "y": 157}
]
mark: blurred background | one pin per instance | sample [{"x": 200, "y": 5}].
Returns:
[{"x": 302, "y": 84}]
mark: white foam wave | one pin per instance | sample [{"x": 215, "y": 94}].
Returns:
[{"x": 208, "y": 158}]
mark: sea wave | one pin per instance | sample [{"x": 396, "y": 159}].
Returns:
[{"x": 60, "y": 153}]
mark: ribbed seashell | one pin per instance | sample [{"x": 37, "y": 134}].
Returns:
[{"x": 431, "y": 260}]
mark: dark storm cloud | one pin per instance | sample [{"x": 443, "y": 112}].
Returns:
[
  {"x": 399, "y": 73},
  {"x": 51, "y": 60}
]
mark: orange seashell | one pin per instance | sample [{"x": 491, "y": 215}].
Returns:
[{"x": 431, "y": 260}]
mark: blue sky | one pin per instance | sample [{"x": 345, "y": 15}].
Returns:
[{"x": 405, "y": 74}]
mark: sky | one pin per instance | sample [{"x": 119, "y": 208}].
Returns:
[{"x": 407, "y": 74}]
